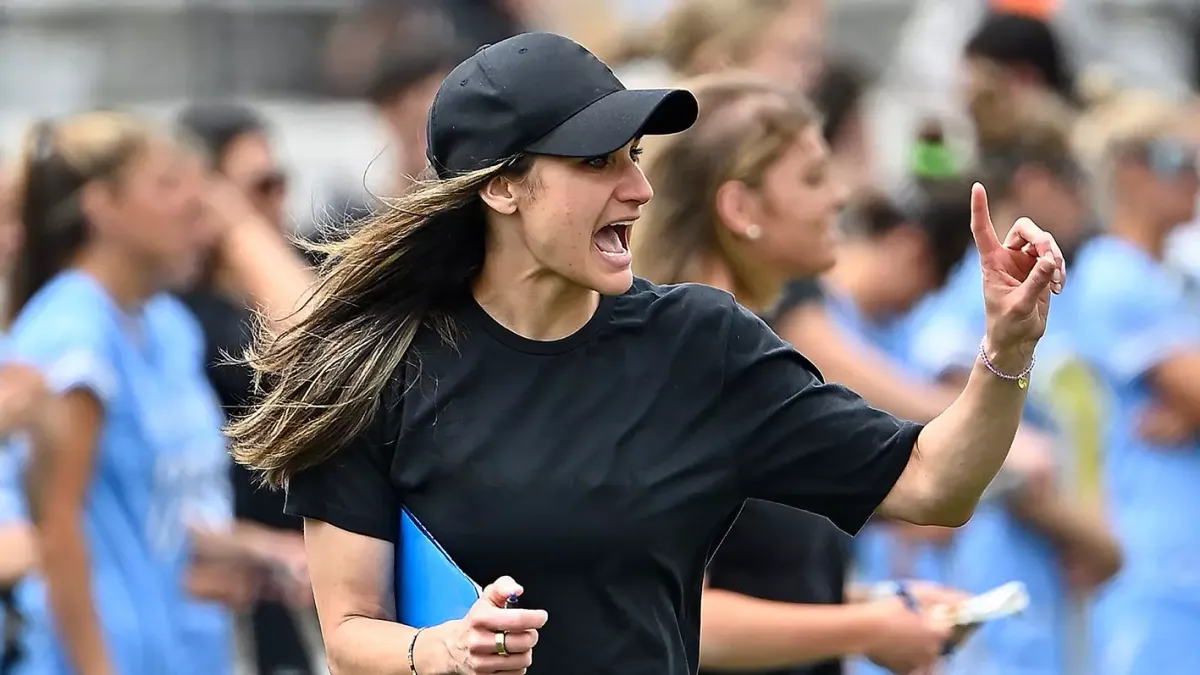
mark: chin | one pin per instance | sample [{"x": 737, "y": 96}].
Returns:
[{"x": 612, "y": 283}]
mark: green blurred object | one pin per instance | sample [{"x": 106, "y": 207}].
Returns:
[{"x": 932, "y": 159}]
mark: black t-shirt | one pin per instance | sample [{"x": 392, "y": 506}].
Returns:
[
  {"x": 775, "y": 552},
  {"x": 227, "y": 332},
  {"x": 601, "y": 470}
]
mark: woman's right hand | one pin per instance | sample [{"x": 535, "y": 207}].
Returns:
[{"x": 472, "y": 643}]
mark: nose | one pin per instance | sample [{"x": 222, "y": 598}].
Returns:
[{"x": 634, "y": 186}]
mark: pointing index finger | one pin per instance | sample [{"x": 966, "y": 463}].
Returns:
[{"x": 981, "y": 221}]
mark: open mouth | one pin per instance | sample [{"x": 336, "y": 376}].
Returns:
[{"x": 613, "y": 239}]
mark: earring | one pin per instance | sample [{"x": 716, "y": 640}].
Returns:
[{"x": 753, "y": 232}]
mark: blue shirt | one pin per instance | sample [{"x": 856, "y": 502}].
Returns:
[
  {"x": 995, "y": 547},
  {"x": 152, "y": 463},
  {"x": 1134, "y": 314}
]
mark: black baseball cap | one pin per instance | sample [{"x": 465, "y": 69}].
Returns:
[{"x": 544, "y": 94}]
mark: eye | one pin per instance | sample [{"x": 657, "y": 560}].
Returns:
[
  {"x": 635, "y": 154},
  {"x": 599, "y": 162}
]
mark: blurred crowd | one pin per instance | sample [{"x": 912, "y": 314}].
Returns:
[{"x": 138, "y": 254}]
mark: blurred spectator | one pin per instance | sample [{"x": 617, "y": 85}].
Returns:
[
  {"x": 1027, "y": 49},
  {"x": 235, "y": 142},
  {"x": 764, "y": 212},
  {"x": 839, "y": 94},
  {"x": 138, "y": 453},
  {"x": 781, "y": 39},
  {"x": 402, "y": 91},
  {"x": 1028, "y": 530},
  {"x": 1137, "y": 324}
]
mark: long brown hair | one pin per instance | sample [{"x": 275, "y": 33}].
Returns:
[
  {"x": 746, "y": 124},
  {"x": 320, "y": 380}
]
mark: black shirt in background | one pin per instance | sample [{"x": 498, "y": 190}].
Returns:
[
  {"x": 601, "y": 470},
  {"x": 774, "y": 552}
]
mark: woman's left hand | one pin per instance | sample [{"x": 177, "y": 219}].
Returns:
[{"x": 1018, "y": 277}]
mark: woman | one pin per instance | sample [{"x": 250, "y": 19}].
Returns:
[
  {"x": 776, "y": 594},
  {"x": 483, "y": 301},
  {"x": 1145, "y": 347},
  {"x": 780, "y": 39},
  {"x": 1033, "y": 532},
  {"x": 132, "y": 485}
]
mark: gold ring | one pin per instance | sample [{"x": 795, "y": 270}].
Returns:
[{"x": 500, "y": 649}]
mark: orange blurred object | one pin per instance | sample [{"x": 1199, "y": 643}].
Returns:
[{"x": 1041, "y": 9}]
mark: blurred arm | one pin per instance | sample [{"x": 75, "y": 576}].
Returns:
[
  {"x": 69, "y": 458},
  {"x": 861, "y": 367},
  {"x": 1177, "y": 381},
  {"x": 738, "y": 632}
]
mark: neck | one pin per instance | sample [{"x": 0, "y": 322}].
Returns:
[
  {"x": 1132, "y": 226},
  {"x": 534, "y": 303},
  {"x": 756, "y": 296},
  {"x": 127, "y": 285},
  {"x": 855, "y": 276}
]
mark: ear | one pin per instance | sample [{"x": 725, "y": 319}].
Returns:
[
  {"x": 501, "y": 195},
  {"x": 737, "y": 207},
  {"x": 97, "y": 202}
]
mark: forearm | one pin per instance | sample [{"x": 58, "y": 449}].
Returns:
[
  {"x": 738, "y": 632},
  {"x": 18, "y": 552},
  {"x": 68, "y": 579},
  {"x": 959, "y": 453},
  {"x": 267, "y": 270},
  {"x": 363, "y": 646},
  {"x": 1072, "y": 529}
]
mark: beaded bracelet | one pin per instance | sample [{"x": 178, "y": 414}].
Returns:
[
  {"x": 412, "y": 664},
  {"x": 1021, "y": 378}
]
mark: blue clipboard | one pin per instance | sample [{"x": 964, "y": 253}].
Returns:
[{"x": 430, "y": 587}]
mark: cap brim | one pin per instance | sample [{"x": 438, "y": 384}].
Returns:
[{"x": 608, "y": 124}]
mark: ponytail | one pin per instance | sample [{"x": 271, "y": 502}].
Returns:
[
  {"x": 52, "y": 229},
  {"x": 319, "y": 382}
]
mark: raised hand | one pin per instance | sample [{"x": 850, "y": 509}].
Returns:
[
  {"x": 1018, "y": 277},
  {"x": 490, "y": 638}
]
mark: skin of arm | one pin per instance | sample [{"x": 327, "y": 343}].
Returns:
[
  {"x": 68, "y": 464},
  {"x": 1079, "y": 533},
  {"x": 861, "y": 367},
  {"x": 352, "y": 579},
  {"x": 1177, "y": 382},
  {"x": 19, "y": 557},
  {"x": 958, "y": 454},
  {"x": 257, "y": 258},
  {"x": 738, "y": 632}
]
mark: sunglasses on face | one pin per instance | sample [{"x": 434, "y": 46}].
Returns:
[{"x": 1171, "y": 158}]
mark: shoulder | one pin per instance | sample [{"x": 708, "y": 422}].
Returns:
[
  {"x": 1110, "y": 274},
  {"x": 69, "y": 312},
  {"x": 686, "y": 303}
]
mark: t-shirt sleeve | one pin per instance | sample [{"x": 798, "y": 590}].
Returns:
[
  {"x": 353, "y": 489},
  {"x": 72, "y": 350},
  {"x": 800, "y": 441}
]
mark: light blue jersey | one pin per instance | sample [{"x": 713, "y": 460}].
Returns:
[
  {"x": 152, "y": 466},
  {"x": 1133, "y": 314},
  {"x": 12, "y": 497},
  {"x": 995, "y": 547},
  {"x": 879, "y": 554}
]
